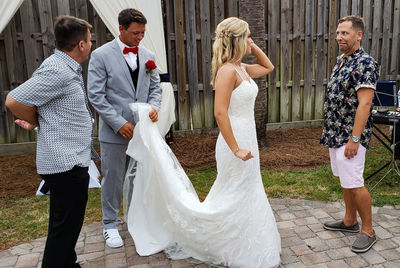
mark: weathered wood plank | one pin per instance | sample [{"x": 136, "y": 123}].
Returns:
[
  {"x": 273, "y": 92},
  {"x": 183, "y": 104},
  {"x": 333, "y": 48},
  {"x": 191, "y": 49},
  {"x": 170, "y": 19},
  {"x": 172, "y": 57},
  {"x": 320, "y": 66},
  {"x": 11, "y": 48},
  {"x": 206, "y": 63},
  {"x": 298, "y": 29},
  {"x": 47, "y": 28},
  {"x": 386, "y": 34},
  {"x": 355, "y": 7},
  {"x": 285, "y": 96},
  {"x": 81, "y": 9},
  {"x": 219, "y": 13},
  {"x": 16, "y": 67},
  {"x": 344, "y": 8},
  {"x": 101, "y": 36},
  {"x": 395, "y": 53},
  {"x": 376, "y": 26},
  {"x": 4, "y": 135},
  {"x": 233, "y": 8},
  {"x": 308, "y": 107},
  {"x": 31, "y": 54},
  {"x": 63, "y": 7},
  {"x": 367, "y": 24}
]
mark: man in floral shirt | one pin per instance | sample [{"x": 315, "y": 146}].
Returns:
[{"x": 348, "y": 128}]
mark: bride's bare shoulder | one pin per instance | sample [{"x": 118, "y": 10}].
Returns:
[{"x": 226, "y": 71}]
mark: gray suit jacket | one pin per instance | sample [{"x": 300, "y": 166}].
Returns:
[{"x": 110, "y": 88}]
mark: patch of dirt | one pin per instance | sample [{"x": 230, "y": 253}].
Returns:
[
  {"x": 295, "y": 149},
  {"x": 286, "y": 149}
]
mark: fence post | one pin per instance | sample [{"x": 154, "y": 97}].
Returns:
[
  {"x": 183, "y": 104},
  {"x": 3, "y": 118},
  {"x": 206, "y": 63},
  {"x": 333, "y": 17},
  {"x": 192, "y": 68},
  {"x": 253, "y": 11}
]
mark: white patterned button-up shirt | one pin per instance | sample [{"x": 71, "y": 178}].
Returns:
[{"x": 56, "y": 88}]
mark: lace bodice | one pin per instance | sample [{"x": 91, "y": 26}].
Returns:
[{"x": 242, "y": 100}]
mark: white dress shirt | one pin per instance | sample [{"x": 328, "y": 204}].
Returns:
[{"x": 130, "y": 57}]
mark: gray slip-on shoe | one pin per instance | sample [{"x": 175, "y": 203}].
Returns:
[
  {"x": 339, "y": 226},
  {"x": 363, "y": 243}
]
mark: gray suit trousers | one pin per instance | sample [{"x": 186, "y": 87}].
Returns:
[{"x": 114, "y": 163}]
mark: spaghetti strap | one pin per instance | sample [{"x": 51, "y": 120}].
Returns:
[
  {"x": 241, "y": 77},
  {"x": 245, "y": 72}
]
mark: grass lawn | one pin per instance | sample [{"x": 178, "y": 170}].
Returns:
[{"x": 23, "y": 219}]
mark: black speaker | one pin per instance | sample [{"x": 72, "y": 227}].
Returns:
[{"x": 386, "y": 93}]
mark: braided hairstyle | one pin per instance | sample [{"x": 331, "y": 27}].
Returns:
[{"x": 230, "y": 43}]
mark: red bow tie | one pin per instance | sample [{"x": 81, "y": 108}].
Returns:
[{"x": 130, "y": 49}]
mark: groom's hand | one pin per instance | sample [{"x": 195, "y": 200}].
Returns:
[
  {"x": 126, "y": 131},
  {"x": 153, "y": 115}
]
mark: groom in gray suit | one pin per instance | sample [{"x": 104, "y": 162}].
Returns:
[{"x": 120, "y": 72}]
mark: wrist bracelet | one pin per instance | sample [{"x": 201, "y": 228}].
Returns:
[{"x": 237, "y": 150}]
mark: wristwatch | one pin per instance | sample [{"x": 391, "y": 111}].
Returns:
[{"x": 355, "y": 138}]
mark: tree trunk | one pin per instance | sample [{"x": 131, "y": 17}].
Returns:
[{"x": 253, "y": 11}]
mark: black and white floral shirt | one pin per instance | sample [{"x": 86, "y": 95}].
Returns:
[
  {"x": 358, "y": 70},
  {"x": 56, "y": 88}
]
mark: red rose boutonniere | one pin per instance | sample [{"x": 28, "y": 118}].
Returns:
[{"x": 150, "y": 65}]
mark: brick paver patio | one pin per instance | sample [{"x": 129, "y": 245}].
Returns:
[{"x": 304, "y": 242}]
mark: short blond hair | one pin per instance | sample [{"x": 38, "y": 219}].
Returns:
[{"x": 230, "y": 43}]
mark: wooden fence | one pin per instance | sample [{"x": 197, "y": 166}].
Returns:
[
  {"x": 301, "y": 43},
  {"x": 299, "y": 37},
  {"x": 27, "y": 40}
]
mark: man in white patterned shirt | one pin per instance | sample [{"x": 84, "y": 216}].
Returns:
[{"x": 54, "y": 100}]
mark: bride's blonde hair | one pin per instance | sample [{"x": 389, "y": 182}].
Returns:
[{"x": 230, "y": 43}]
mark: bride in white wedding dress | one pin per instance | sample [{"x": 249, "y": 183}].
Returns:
[{"x": 235, "y": 225}]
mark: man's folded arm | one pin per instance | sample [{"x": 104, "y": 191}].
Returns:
[{"x": 22, "y": 111}]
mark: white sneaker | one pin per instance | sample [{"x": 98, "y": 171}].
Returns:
[{"x": 113, "y": 239}]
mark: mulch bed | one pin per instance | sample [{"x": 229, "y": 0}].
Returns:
[
  {"x": 294, "y": 149},
  {"x": 286, "y": 149}
]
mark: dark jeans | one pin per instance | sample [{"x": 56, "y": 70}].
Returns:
[{"x": 68, "y": 198}]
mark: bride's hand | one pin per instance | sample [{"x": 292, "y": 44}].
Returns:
[{"x": 244, "y": 154}]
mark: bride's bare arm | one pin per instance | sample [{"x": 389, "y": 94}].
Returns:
[
  {"x": 263, "y": 67},
  {"x": 224, "y": 85}
]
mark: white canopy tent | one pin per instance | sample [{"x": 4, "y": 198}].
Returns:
[{"x": 7, "y": 11}]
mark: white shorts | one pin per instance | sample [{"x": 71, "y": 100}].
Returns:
[{"x": 350, "y": 171}]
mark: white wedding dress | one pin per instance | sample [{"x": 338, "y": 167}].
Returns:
[{"x": 234, "y": 226}]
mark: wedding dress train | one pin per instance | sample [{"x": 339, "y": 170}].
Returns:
[{"x": 234, "y": 226}]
